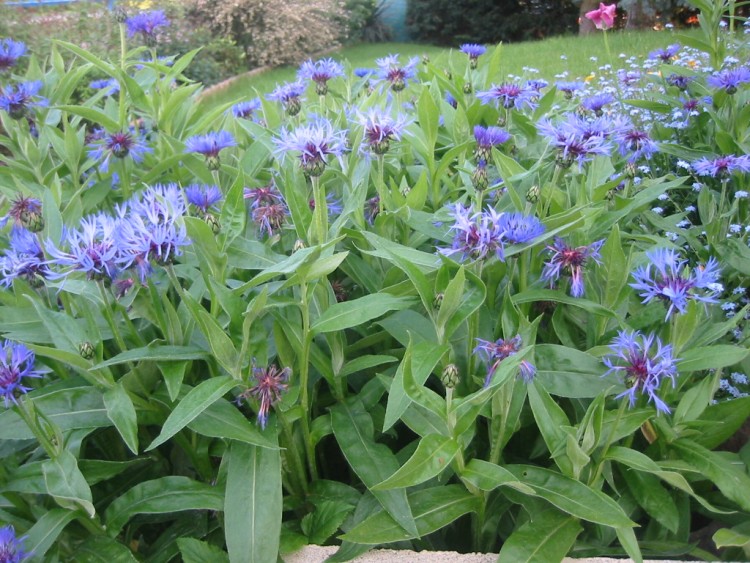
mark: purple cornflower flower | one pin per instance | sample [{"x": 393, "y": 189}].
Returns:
[
  {"x": 641, "y": 370},
  {"x": 665, "y": 55},
  {"x": 476, "y": 235},
  {"x": 16, "y": 362},
  {"x": 10, "y": 52},
  {"x": 314, "y": 142},
  {"x": 597, "y": 102},
  {"x": 372, "y": 209},
  {"x": 24, "y": 259},
  {"x": 679, "y": 81},
  {"x": 290, "y": 96},
  {"x": 628, "y": 77},
  {"x": 11, "y": 550},
  {"x": 111, "y": 85},
  {"x": 264, "y": 195},
  {"x": 474, "y": 51},
  {"x": 247, "y": 109},
  {"x": 92, "y": 250},
  {"x": 320, "y": 72},
  {"x": 729, "y": 80},
  {"x": 269, "y": 384},
  {"x": 203, "y": 197},
  {"x": 517, "y": 228},
  {"x": 380, "y": 129},
  {"x": 673, "y": 282},
  {"x": 150, "y": 229},
  {"x": 495, "y": 352},
  {"x": 568, "y": 88},
  {"x": 572, "y": 142},
  {"x": 26, "y": 212},
  {"x": 537, "y": 85},
  {"x": 571, "y": 261},
  {"x": 488, "y": 137},
  {"x": 509, "y": 95},
  {"x": 209, "y": 145},
  {"x": 268, "y": 209},
  {"x": 119, "y": 145},
  {"x": 18, "y": 99},
  {"x": 722, "y": 166},
  {"x": 147, "y": 24},
  {"x": 391, "y": 71},
  {"x": 636, "y": 142}
]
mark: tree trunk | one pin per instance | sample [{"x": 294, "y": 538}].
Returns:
[
  {"x": 585, "y": 25},
  {"x": 638, "y": 16}
]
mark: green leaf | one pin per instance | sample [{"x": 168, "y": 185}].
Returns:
[
  {"x": 347, "y": 314},
  {"x": 323, "y": 522},
  {"x": 194, "y": 403},
  {"x": 253, "y": 503},
  {"x": 433, "y": 454},
  {"x": 223, "y": 420},
  {"x": 548, "y": 536},
  {"x": 221, "y": 345},
  {"x": 103, "y": 549},
  {"x": 711, "y": 357},
  {"x": 155, "y": 352},
  {"x": 121, "y": 412},
  {"x": 566, "y": 372},
  {"x": 196, "y": 551},
  {"x": 372, "y": 462},
  {"x": 728, "y": 537},
  {"x": 533, "y": 295},
  {"x": 551, "y": 421},
  {"x": 93, "y": 115},
  {"x": 488, "y": 477},
  {"x": 731, "y": 479},
  {"x": 43, "y": 534},
  {"x": 654, "y": 498},
  {"x": 433, "y": 509},
  {"x": 629, "y": 543},
  {"x": 66, "y": 484},
  {"x": 162, "y": 496},
  {"x": 571, "y": 496},
  {"x": 362, "y": 363},
  {"x": 728, "y": 417}
]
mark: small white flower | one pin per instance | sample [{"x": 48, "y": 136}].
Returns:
[
  {"x": 690, "y": 208},
  {"x": 658, "y": 210},
  {"x": 740, "y": 194},
  {"x": 739, "y": 290},
  {"x": 716, "y": 286},
  {"x": 728, "y": 306}
]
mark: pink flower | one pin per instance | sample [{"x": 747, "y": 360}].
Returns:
[{"x": 604, "y": 17}]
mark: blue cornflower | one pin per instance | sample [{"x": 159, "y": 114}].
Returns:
[
  {"x": 722, "y": 166},
  {"x": 246, "y": 110},
  {"x": 11, "y": 550},
  {"x": 24, "y": 259},
  {"x": 495, "y": 352},
  {"x": 290, "y": 96},
  {"x": 111, "y": 85},
  {"x": 571, "y": 261},
  {"x": 364, "y": 72},
  {"x": 537, "y": 84},
  {"x": 209, "y": 145},
  {"x": 397, "y": 76},
  {"x": 729, "y": 80},
  {"x": 476, "y": 234},
  {"x": 488, "y": 137},
  {"x": 26, "y": 212},
  {"x": 641, "y": 370},
  {"x": 314, "y": 142},
  {"x": 671, "y": 280},
  {"x": 320, "y": 72},
  {"x": 93, "y": 249},
  {"x": 16, "y": 362},
  {"x": 568, "y": 88},
  {"x": 151, "y": 230},
  {"x": 147, "y": 24},
  {"x": 665, "y": 55},
  {"x": 597, "y": 102},
  {"x": 268, "y": 208},
  {"x": 474, "y": 51},
  {"x": 10, "y": 52},
  {"x": 263, "y": 195},
  {"x": 575, "y": 141},
  {"x": 380, "y": 129},
  {"x": 269, "y": 384},
  {"x": 334, "y": 205},
  {"x": 679, "y": 80},
  {"x": 17, "y": 100},
  {"x": 119, "y": 145},
  {"x": 517, "y": 228},
  {"x": 636, "y": 142},
  {"x": 451, "y": 100},
  {"x": 509, "y": 95},
  {"x": 628, "y": 77},
  {"x": 203, "y": 197}
]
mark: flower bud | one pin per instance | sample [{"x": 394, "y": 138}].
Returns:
[
  {"x": 32, "y": 220},
  {"x": 119, "y": 14},
  {"x": 213, "y": 162},
  {"x": 86, "y": 350},
  {"x": 293, "y": 107},
  {"x": 314, "y": 166},
  {"x": 479, "y": 178},
  {"x": 450, "y": 376},
  {"x": 468, "y": 88},
  {"x": 438, "y": 300},
  {"x": 321, "y": 88},
  {"x": 425, "y": 59},
  {"x": 298, "y": 245},
  {"x": 532, "y": 196},
  {"x": 213, "y": 222},
  {"x": 405, "y": 189}
]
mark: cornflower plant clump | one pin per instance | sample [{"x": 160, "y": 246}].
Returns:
[{"x": 402, "y": 314}]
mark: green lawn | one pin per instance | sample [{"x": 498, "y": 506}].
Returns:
[{"x": 544, "y": 56}]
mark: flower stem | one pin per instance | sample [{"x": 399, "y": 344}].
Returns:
[
  {"x": 304, "y": 375},
  {"x": 320, "y": 213}
]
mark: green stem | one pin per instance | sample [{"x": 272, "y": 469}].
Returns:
[
  {"x": 552, "y": 186},
  {"x": 110, "y": 318},
  {"x": 304, "y": 375},
  {"x": 121, "y": 95},
  {"x": 297, "y": 466},
  {"x": 380, "y": 187},
  {"x": 32, "y": 421},
  {"x": 320, "y": 214},
  {"x": 607, "y": 444}
]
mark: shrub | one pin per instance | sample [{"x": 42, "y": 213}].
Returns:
[
  {"x": 445, "y": 22},
  {"x": 273, "y": 33}
]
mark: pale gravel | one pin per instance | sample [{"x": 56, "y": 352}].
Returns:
[{"x": 318, "y": 554}]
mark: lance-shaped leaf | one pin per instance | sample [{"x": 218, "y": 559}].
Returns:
[
  {"x": 548, "y": 536},
  {"x": 488, "y": 477},
  {"x": 66, "y": 484},
  {"x": 433, "y": 454},
  {"x": 347, "y": 314},
  {"x": 121, "y": 412}
]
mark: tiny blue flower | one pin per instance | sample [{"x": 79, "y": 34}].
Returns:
[
  {"x": 10, "y": 52},
  {"x": 16, "y": 362}
]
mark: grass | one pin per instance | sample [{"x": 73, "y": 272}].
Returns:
[{"x": 544, "y": 56}]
